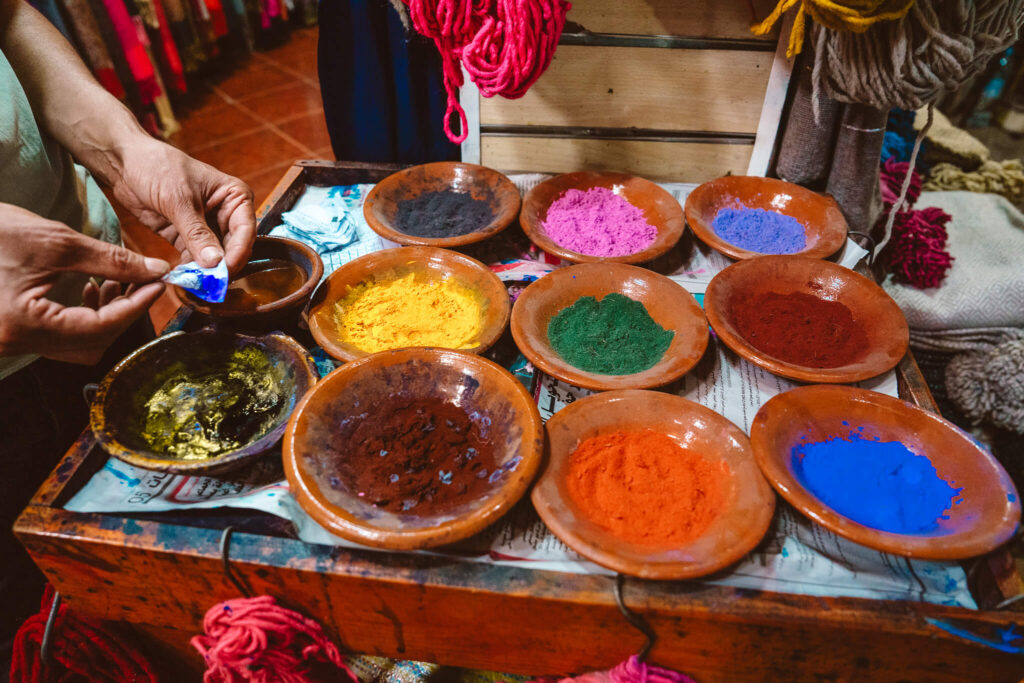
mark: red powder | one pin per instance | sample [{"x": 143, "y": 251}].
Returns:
[
  {"x": 645, "y": 489},
  {"x": 800, "y": 329}
]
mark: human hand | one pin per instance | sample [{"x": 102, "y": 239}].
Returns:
[
  {"x": 190, "y": 204},
  {"x": 34, "y": 252}
]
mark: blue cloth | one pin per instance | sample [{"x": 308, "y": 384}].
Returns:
[{"x": 383, "y": 92}]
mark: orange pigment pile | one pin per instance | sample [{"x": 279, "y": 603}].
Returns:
[{"x": 645, "y": 489}]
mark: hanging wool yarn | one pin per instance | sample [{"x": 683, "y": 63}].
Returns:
[
  {"x": 255, "y": 639},
  {"x": 988, "y": 386},
  {"x": 936, "y": 46},
  {"x": 504, "y": 45},
  {"x": 852, "y": 15},
  {"x": 916, "y": 251},
  {"x": 81, "y": 651}
]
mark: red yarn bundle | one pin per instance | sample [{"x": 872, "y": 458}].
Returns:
[
  {"x": 255, "y": 639},
  {"x": 916, "y": 253},
  {"x": 81, "y": 651},
  {"x": 632, "y": 670},
  {"x": 505, "y": 45}
]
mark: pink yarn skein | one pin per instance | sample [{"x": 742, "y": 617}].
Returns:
[{"x": 630, "y": 671}]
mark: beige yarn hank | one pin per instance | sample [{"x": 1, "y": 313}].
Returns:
[
  {"x": 998, "y": 177},
  {"x": 937, "y": 46}
]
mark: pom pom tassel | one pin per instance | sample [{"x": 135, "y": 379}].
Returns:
[
  {"x": 916, "y": 253},
  {"x": 255, "y": 639}
]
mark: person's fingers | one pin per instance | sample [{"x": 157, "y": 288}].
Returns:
[
  {"x": 79, "y": 334},
  {"x": 91, "y": 295},
  {"x": 238, "y": 216},
  {"x": 201, "y": 241},
  {"x": 72, "y": 251},
  {"x": 109, "y": 291}
]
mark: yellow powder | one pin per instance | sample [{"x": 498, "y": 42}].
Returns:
[{"x": 377, "y": 316}]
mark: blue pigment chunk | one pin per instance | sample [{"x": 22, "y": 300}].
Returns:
[
  {"x": 880, "y": 484},
  {"x": 765, "y": 232}
]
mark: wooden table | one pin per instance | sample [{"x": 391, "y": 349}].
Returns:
[{"x": 160, "y": 575}]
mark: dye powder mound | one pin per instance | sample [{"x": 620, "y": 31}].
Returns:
[
  {"x": 800, "y": 329},
  {"x": 765, "y": 232},
  {"x": 377, "y": 316},
  {"x": 442, "y": 214},
  {"x": 598, "y": 222},
  {"x": 880, "y": 484},
  {"x": 264, "y": 282},
  {"x": 613, "y": 336},
  {"x": 421, "y": 456},
  {"x": 643, "y": 488},
  {"x": 199, "y": 416}
]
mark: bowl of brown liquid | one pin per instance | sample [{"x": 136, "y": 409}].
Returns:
[{"x": 272, "y": 287}]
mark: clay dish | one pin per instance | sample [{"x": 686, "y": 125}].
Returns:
[
  {"x": 886, "y": 328},
  {"x": 118, "y": 412},
  {"x": 481, "y": 182},
  {"x": 736, "y": 531},
  {"x": 490, "y": 394},
  {"x": 824, "y": 225},
  {"x": 283, "y": 311},
  {"x": 668, "y": 304},
  {"x": 660, "y": 209},
  {"x": 426, "y": 262},
  {"x": 987, "y": 517}
]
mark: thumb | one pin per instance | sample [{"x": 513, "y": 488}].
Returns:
[
  {"x": 77, "y": 253},
  {"x": 201, "y": 241}
]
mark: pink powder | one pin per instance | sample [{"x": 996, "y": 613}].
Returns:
[{"x": 598, "y": 222}]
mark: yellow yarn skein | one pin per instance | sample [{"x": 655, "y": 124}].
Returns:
[{"x": 852, "y": 15}]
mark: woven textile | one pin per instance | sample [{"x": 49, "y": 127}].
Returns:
[{"x": 985, "y": 286}]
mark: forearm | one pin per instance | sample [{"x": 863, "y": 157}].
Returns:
[{"x": 67, "y": 101}]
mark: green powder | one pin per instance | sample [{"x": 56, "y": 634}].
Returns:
[{"x": 613, "y": 336}]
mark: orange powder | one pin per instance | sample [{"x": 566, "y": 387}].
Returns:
[{"x": 645, "y": 489}]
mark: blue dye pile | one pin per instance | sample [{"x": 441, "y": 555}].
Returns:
[
  {"x": 765, "y": 232},
  {"x": 880, "y": 484}
]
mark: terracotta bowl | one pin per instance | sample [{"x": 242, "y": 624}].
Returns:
[
  {"x": 823, "y": 222},
  {"x": 426, "y": 262},
  {"x": 481, "y": 182},
  {"x": 660, "y": 209},
  {"x": 281, "y": 312},
  {"x": 117, "y": 412},
  {"x": 736, "y": 531},
  {"x": 312, "y": 445},
  {"x": 887, "y": 331},
  {"x": 987, "y": 517},
  {"x": 668, "y": 304}
]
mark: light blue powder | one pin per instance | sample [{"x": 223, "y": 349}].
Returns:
[
  {"x": 765, "y": 232},
  {"x": 880, "y": 484}
]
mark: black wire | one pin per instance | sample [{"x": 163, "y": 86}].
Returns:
[
  {"x": 225, "y": 552},
  {"x": 634, "y": 619}
]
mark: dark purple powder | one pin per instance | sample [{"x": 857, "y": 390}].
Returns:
[
  {"x": 765, "y": 232},
  {"x": 442, "y": 214}
]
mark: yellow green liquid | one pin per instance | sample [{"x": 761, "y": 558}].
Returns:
[{"x": 195, "y": 416}]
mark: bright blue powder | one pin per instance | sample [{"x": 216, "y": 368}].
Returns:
[
  {"x": 880, "y": 484},
  {"x": 765, "y": 232}
]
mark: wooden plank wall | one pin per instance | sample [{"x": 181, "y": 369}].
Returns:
[{"x": 665, "y": 89}]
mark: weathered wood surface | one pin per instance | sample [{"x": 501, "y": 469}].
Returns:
[
  {"x": 624, "y": 87},
  {"x": 693, "y": 162},
  {"x": 697, "y": 18},
  {"x": 161, "y": 576}
]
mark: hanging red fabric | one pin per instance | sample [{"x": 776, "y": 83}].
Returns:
[
  {"x": 504, "y": 45},
  {"x": 134, "y": 51}
]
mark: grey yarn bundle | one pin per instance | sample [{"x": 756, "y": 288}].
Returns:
[
  {"x": 937, "y": 46},
  {"x": 988, "y": 386}
]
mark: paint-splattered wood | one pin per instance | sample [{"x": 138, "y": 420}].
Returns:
[{"x": 161, "y": 575}]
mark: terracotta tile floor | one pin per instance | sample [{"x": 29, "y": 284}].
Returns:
[{"x": 253, "y": 122}]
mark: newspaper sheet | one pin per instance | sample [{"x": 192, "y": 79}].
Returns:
[{"x": 796, "y": 556}]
